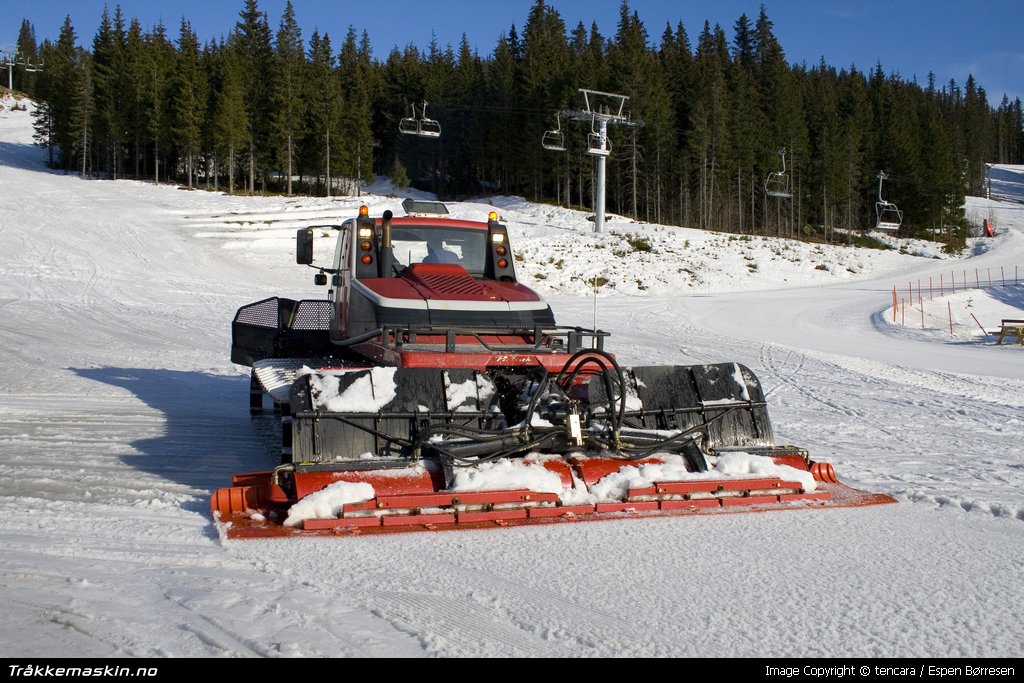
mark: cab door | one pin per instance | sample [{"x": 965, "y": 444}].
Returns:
[{"x": 342, "y": 282}]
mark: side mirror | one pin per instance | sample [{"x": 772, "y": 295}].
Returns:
[
  {"x": 320, "y": 279},
  {"x": 304, "y": 246}
]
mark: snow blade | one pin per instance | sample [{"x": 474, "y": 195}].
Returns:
[
  {"x": 380, "y": 450},
  {"x": 259, "y": 505}
]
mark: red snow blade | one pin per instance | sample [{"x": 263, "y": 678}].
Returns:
[{"x": 255, "y": 507}]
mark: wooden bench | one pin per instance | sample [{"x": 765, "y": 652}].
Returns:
[{"x": 1011, "y": 328}]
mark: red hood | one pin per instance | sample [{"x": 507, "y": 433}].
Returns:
[{"x": 447, "y": 282}]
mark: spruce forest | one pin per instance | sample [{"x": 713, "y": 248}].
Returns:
[{"x": 263, "y": 110}]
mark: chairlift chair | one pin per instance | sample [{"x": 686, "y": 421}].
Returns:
[
  {"x": 554, "y": 140},
  {"x": 888, "y": 217},
  {"x": 429, "y": 128},
  {"x": 420, "y": 127},
  {"x": 409, "y": 126},
  {"x": 777, "y": 183}
]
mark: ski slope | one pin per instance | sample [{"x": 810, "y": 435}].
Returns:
[{"x": 120, "y": 413}]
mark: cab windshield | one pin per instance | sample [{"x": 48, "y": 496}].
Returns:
[{"x": 467, "y": 248}]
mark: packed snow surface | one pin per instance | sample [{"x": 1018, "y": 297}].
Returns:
[{"x": 120, "y": 413}]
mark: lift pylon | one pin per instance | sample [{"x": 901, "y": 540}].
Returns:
[{"x": 601, "y": 109}]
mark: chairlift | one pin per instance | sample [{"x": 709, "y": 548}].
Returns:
[
  {"x": 420, "y": 127},
  {"x": 554, "y": 140},
  {"x": 777, "y": 183},
  {"x": 888, "y": 217}
]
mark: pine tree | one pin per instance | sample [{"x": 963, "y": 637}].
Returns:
[
  {"x": 251, "y": 43},
  {"x": 708, "y": 125},
  {"x": 857, "y": 171},
  {"x": 544, "y": 75},
  {"x": 321, "y": 143},
  {"x": 638, "y": 75},
  {"x": 28, "y": 57},
  {"x": 465, "y": 123},
  {"x": 43, "y": 123},
  {"x": 399, "y": 176},
  {"x": 503, "y": 76},
  {"x": 135, "y": 83},
  {"x": 157, "y": 69},
  {"x": 677, "y": 66},
  {"x": 782, "y": 109},
  {"x": 355, "y": 143},
  {"x": 106, "y": 48},
  {"x": 231, "y": 118},
  {"x": 81, "y": 114},
  {"x": 288, "y": 93},
  {"x": 62, "y": 76},
  {"x": 976, "y": 130},
  {"x": 188, "y": 99}
]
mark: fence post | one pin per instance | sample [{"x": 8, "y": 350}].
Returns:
[
  {"x": 983, "y": 331},
  {"x": 950, "y": 306}
]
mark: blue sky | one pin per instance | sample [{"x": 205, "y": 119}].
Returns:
[{"x": 909, "y": 37}]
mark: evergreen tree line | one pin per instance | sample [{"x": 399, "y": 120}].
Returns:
[{"x": 266, "y": 111}]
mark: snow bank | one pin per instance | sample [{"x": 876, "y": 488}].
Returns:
[
  {"x": 738, "y": 464},
  {"x": 327, "y": 503},
  {"x": 367, "y": 394},
  {"x": 615, "y": 486},
  {"x": 508, "y": 475}
]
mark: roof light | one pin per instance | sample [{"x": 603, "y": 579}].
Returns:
[
  {"x": 365, "y": 233},
  {"x": 497, "y": 237},
  {"x": 418, "y": 207},
  {"x": 492, "y": 216},
  {"x": 364, "y": 210}
]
